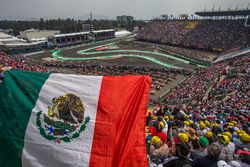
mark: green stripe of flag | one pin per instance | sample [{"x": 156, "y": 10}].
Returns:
[{"x": 18, "y": 94}]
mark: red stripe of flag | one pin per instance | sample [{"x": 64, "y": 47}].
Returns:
[{"x": 119, "y": 135}]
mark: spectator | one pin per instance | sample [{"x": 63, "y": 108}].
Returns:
[
  {"x": 200, "y": 151},
  {"x": 182, "y": 157},
  {"x": 213, "y": 153},
  {"x": 158, "y": 149},
  {"x": 227, "y": 148},
  {"x": 203, "y": 34},
  {"x": 1, "y": 73}
]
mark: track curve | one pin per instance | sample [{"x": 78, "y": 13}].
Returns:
[{"x": 120, "y": 53}]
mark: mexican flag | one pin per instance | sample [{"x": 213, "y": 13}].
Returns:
[{"x": 59, "y": 120}]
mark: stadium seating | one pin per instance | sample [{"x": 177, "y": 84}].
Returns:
[
  {"x": 209, "y": 111},
  {"x": 18, "y": 62},
  {"x": 212, "y": 35}
]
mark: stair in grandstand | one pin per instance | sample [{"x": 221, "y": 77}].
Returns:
[
  {"x": 210, "y": 88},
  {"x": 237, "y": 53}
]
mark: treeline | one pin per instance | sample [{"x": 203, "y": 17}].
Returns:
[{"x": 64, "y": 25}]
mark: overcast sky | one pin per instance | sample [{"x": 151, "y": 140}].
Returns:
[{"x": 140, "y": 9}]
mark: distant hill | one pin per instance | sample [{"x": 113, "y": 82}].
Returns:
[
  {"x": 83, "y": 17},
  {"x": 19, "y": 18}
]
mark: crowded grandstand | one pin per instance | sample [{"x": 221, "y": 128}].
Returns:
[{"x": 199, "y": 106}]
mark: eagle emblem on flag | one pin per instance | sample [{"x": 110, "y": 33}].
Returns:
[{"x": 65, "y": 119}]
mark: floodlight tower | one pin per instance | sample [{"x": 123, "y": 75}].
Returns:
[{"x": 91, "y": 25}]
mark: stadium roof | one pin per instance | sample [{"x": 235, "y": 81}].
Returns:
[
  {"x": 37, "y": 39},
  {"x": 70, "y": 34},
  {"x": 81, "y": 33},
  {"x": 224, "y": 13},
  {"x": 122, "y": 33},
  {"x": 32, "y": 30},
  {"x": 23, "y": 44},
  {"x": 108, "y": 30},
  {"x": 11, "y": 41},
  {"x": 6, "y": 38}
]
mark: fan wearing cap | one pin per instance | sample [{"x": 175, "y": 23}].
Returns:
[
  {"x": 159, "y": 131},
  {"x": 158, "y": 148},
  {"x": 229, "y": 135},
  {"x": 209, "y": 136},
  {"x": 183, "y": 137},
  {"x": 202, "y": 129},
  {"x": 186, "y": 124},
  {"x": 207, "y": 123},
  {"x": 204, "y": 143},
  {"x": 215, "y": 125},
  {"x": 244, "y": 137},
  {"x": 199, "y": 148},
  {"x": 245, "y": 140},
  {"x": 171, "y": 117},
  {"x": 227, "y": 148}
]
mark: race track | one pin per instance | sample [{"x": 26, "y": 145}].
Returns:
[{"x": 96, "y": 53}]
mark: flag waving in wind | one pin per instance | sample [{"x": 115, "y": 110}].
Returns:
[{"x": 59, "y": 120}]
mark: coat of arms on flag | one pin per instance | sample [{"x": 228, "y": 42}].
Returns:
[{"x": 65, "y": 119}]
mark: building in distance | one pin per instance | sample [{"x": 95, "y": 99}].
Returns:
[
  {"x": 34, "y": 35},
  {"x": 125, "y": 19}
]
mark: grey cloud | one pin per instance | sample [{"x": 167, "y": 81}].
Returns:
[{"x": 140, "y": 9}]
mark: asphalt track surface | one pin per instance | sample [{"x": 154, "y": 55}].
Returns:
[{"x": 94, "y": 53}]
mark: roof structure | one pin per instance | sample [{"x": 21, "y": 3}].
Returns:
[
  {"x": 245, "y": 12},
  {"x": 6, "y": 38},
  {"x": 81, "y": 33},
  {"x": 108, "y": 30},
  {"x": 12, "y": 41},
  {"x": 122, "y": 33},
  {"x": 70, "y": 34},
  {"x": 23, "y": 44}
]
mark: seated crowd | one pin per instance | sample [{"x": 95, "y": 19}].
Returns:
[
  {"x": 212, "y": 130},
  {"x": 176, "y": 139},
  {"x": 19, "y": 63},
  {"x": 196, "y": 85},
  {"x": 212, "y": 35}
]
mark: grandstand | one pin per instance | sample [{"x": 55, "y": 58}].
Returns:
[
  {"x": 232, "y": 13},
  {"x": 62, "y": 40},
  {"x": 215, "y": 32},
  {"x": 211, "y": 35},
  {"x": 103, "y": 34}
]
